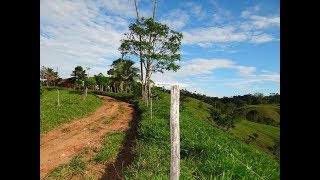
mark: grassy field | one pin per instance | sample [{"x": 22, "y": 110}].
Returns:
[
  {"x": 81, "y": 166},
  {"x": 71, "y": 106},
  {"x": 265, "y": 110},
  {"x": 262, "y": 136},
  {"x": 267, "y": 136},
  {"x": 206, "y": 152}
]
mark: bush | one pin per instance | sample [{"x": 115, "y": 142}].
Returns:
[
  {"x": 253, "y": 115},
  {"x": 156, "y": 93},
  {"x": 224, "y": 120}
]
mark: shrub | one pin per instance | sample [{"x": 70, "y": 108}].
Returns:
[
  {"x": 224, "y": 120},
  {"x": 253, "y": 115}
]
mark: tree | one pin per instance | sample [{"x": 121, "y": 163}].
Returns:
[
  {"x": 90, "y": 82},
  {"x": 49, "y": 75},
  {"x": 122, "y": 74},
  {"x": 229, "y": 108},
  {"x": 79, "y": 74},
  {"x": 258, "y": 98},
  {"x": 156, "y": 45},
  {"x": 102, "y": 80}
]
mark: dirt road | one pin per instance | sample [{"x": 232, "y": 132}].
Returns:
[{"x": 60, "y": 145}]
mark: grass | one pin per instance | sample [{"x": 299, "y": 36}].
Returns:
[
  {"x": 72, "y": 106},
  {"x": 107, "y": 120},
  {"x": 113, "y": 142},
  {"x": 75, "y": 167},
  {"x": 266, "y": 139},
  {"x": 79, "y": 166},
  {"x": 121, "y": 109},
  {"x": 206, "y": 152},
  {"x": 265, "y": 110}
]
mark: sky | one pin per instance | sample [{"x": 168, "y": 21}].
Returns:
[{"x": 229, "y": 47}]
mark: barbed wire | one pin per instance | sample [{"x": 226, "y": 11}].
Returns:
[{"x": 247, "y": 166}]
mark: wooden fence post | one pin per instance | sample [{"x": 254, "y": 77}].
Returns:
[
  {"x": 175, "y": 133},
  {"x": 58, "y": 97},
  {"x": 85, "y": 92}
]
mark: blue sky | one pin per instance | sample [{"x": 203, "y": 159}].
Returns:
[{"x": 229, "y": 47}]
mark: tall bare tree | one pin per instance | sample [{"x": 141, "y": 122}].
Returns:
[
  {"x": 156, "y": 45},
  {"x": 140, "y": 55}
]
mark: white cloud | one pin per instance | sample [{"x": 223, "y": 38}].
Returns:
[
  {"x": 76, "y": 33},
  {"x": 226, "y": 32},
  {"x": 204, "y": 66},
  {"x": 126, "y": 8},
  {"x": 207, "y": 36},
  {"x": 261, "y": 38},
  {"x": 245, "y": 14},
  {"x": 254, "y": 21},
  {"x": 249, "y": 11},
  {"x": 260, "y": 22},
  {"x": 175, "y": 19},
  {"x": 121, "y": 7},
  {"x": 246, "y": 69},
  {"x": 201, "y": 66},
  {"x": 196, "y": 10},
  {"x": 251, "y": 81}
]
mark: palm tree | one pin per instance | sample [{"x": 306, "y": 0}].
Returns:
[{"x": 123, "y": 74}]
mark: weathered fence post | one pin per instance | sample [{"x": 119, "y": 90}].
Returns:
[
  {"x": 85, "y": 93},
  {"x": 175, "y": 133},
  {"x": 58, "y": 97}
]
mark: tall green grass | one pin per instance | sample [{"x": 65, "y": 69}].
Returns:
[
  {"x": 113, "y": 143},
  {"x": 72, "y": 105},
  {"x": 265, "y": 110},
  {"x": 267, "y": 136},
  {"x": 206, "y": 152}
]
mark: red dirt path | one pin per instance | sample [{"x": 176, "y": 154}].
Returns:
[{"x": 60, "y": 145}]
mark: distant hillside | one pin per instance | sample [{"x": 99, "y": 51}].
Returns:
[
  {"x": 261, "y": 136},
  {"x": 259, "y": 113}
]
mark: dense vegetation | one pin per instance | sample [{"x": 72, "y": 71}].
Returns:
[{"x": 237, "y": 101}]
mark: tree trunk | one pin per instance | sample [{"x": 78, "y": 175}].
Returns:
[
  {"x": 141, "y": 64},
  {"x": 154, "y": 9},
  {"x": 151, "y": 108}
]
